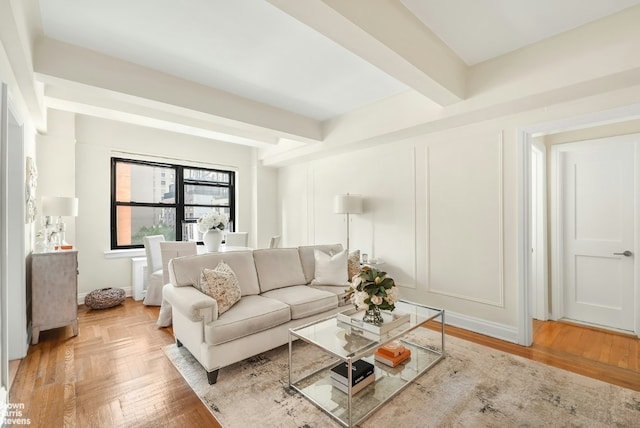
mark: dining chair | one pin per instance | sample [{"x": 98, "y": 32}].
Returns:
[
  {"x": 173, "y": 249},
  {"x": 274, "y": 242},
  {"x": 154, "y": 269},
  {"x": 237, "y": 239}
]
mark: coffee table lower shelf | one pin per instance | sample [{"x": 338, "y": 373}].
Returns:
[{"x": 389, "y": 381}]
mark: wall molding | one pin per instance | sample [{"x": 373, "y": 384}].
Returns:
[
  {"x": 500, "y": 241},
  {"x": 414, "y": 175}
]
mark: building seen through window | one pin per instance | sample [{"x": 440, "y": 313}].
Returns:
[{"x": 150, "y": 198}]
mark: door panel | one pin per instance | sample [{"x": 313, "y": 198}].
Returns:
[{"x": 598, "y": 215}]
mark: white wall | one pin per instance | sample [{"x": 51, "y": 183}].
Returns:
[
  {"x": 57, "y": 164},
  {"x": 264, "y": 190},
  {"x": 97, "y": 141},
  {"x": 442, "y": 210},
  {"x": 432, "y": 211}
]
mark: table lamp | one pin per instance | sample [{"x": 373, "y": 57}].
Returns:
[{"x": 59, "y": 206}]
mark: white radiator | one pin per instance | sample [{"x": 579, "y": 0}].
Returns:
[{"x": 139, "y": 277}]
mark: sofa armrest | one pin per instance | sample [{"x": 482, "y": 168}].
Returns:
[{"x": 191, "y": 302}]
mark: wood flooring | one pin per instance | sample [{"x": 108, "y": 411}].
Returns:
[{"x": 114, "y": 373}]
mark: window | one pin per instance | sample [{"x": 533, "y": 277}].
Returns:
[{"x": 151, "y": 198}]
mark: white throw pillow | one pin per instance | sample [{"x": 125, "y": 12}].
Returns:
[{"x": 330, "y": 269}]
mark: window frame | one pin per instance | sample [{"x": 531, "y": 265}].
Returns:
[{"x": 179, "y": 201}]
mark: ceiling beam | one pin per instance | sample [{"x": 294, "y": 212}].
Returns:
[
  {"x": 81, "y": 99},
  {"x": 64, "y": 65},
  {"x": 15, "y": 45},
  {"x": 390, "y": 37}
]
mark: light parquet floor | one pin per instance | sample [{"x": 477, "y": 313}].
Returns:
[{"x": 114, "y": 373}]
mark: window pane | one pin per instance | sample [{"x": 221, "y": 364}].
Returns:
[
  {"x": 190, "y": 232},
  {"x": 206, "y": 175},
  {"x": 193, "y": 213},
  {"x": 206, "y": 195},
  {"x": 134, "y": 223},
  {"x": 145, "y": 183}
]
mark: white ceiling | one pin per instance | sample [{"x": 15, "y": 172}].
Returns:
[
  {"x": 252, "y": 49},
  {"x": 478, "y": 30},
  {"x": 246, "y": 47}
]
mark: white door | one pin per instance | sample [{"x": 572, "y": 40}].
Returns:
[{"x": 597, "y": 186}]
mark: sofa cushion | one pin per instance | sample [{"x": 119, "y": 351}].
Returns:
[
  {"x": 220, "y": 283},
  {"x": 339, "y": 291},
  {"x": 303, "y": 300},
  {"x": 278, "y": 267},
  {"x": 184, "y": 271},
  {"x": 308, "y": 261},
  {"x": 251, "y": 314},
  {"x": 330, "y": 269}
]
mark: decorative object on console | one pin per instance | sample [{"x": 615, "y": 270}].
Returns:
[
  {"x": 347, "y": 204},
  {"x": 57, "y": 206},
  {"x": 372, "y": 290},
  {"x": 211, "y": 226},
  {"x": 31, "y": 187}
]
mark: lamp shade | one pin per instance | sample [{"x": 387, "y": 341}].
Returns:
[
  {"x": 347, "y": 204},
  {"x": 59, "y": 206}
]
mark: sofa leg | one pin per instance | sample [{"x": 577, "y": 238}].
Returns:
[
  {"x": 212, "y": 377},
  {"x": 178, "y": 343}
]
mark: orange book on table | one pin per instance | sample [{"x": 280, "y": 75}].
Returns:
[
  {"x": 394, "y": 348},
  {"x": 385, "y": 357}
]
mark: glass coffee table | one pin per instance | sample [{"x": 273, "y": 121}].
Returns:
[{"x": 335, "y": 342}]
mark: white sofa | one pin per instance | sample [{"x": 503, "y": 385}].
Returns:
[{"x": 278, "y": 292}]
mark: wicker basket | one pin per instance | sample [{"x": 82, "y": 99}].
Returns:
[{"x": 104, "y": 298}]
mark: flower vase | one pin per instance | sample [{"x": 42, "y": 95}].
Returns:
[
  {"x": 212, "y": 239},
  {"x": 373, "y": 315}
]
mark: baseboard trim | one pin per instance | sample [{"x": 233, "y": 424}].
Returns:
[{"x": 477, "y": 325}]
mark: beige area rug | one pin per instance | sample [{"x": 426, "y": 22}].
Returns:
[{"x": 473, "y": 386}]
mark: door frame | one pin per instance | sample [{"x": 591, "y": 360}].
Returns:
[
  {"x": 539, "y": 277},
  {"x": 525, "y": 136},
  {"x": 4, "y": 249},
  {"x": 558, "y": 227}
]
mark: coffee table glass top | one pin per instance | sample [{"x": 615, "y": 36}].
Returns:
[
  {"x": 335, "y": 341},
  {"x": 335, "y": 337}
]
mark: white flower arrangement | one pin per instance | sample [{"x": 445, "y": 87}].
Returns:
[
  {"x": 212, "y": 220},
  {"x": 372, "y": 288}
]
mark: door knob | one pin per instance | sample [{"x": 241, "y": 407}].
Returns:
[{"x": 626, "y": 253}]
